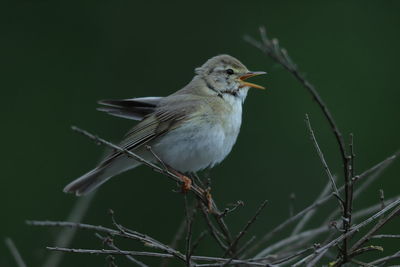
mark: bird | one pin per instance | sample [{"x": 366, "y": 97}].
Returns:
[{"x": 190, "y": 130}]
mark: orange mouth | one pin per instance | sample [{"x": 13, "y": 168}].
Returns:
[{"x": 249, "y": 75}]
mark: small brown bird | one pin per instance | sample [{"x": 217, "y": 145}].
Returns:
[{"x": 190, "y": 130}]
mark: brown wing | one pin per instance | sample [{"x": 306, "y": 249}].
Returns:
[{"x": 151, "y": 127}]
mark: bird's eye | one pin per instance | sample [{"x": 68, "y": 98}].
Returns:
[{"x": 229, "y": 71}]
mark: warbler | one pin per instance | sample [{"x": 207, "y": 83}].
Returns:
[{"x": 190, "y": 130}]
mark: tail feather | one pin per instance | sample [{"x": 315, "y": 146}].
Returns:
[
  {"x": 99, "y": 175},
  {"x": 86, "y": 183}
]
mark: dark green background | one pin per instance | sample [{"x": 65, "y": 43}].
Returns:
[{"x": 59, "y": 58}]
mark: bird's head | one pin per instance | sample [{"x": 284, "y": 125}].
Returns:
[{"x": 226, "y": 74}]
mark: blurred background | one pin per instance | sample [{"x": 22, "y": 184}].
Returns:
[{"x": 59, "y": 57}]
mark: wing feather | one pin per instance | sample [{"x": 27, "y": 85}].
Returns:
[
  {"x": 153, "y": 126},
  {"x": 132, "y": 108}
]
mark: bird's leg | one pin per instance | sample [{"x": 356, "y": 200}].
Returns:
[{"x": 187, "y": 182}]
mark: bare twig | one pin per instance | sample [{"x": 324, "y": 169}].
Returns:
[
  {"x": 125, "y": 234},
  {"x": 322, "y": 158},
  {"x": 292, "y": 239},
  {"x": 66, "y": 235},
  {"x": 226, "y": 211},
  {"x": 384, "y": 260},
  {"x": 318, "y": 257},
  {"x": 369, "y": 176},
  {"x": 374, "y": 229},
  {"x": 300, "y": 225},
  {"x": 381, "y": 165},
  {"x": 366, "y": 249},
  {"x": 189, "y": 233},
  {"x": 232, "y": 247},
  {"x": 178, "y": 236},
  {"x": 384, "y": 236},
  {"x": 111, "y": 244},
  {"x": 280, "y": 55},
  {"x": 245, "y": 245},
  {"x": 213, "y": 230},
  {"x": 14, "y": 252},
  {"x": 152, "y": 254},
  {"x": 377, "y": 167},
  {"x": 382, "y": 197},
  {"x": 292, "y": 200},
  {"x": 157, "y": 157},
  {"x": 293, "y": 256},
  {"x": 371, "y": 209},
  {"x": 198, "y": 240},
  {"x": 111, "y": 261},
  {"x": 351, "y": 232}
]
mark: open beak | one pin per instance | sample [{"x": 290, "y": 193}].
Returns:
[{"x": 248, "y": 75}]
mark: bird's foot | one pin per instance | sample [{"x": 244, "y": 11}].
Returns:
[{"x": 187, "y": 182}]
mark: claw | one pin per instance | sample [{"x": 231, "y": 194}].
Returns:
[{"x": 187, "y": 183}]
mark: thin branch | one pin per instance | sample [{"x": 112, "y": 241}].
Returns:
[
  {"x": 111, "y": 244},
  {"x": 246, "y": 245},
  {"x": 318, "y": 203},
  {"x": 376, "y": 228},
  {"x": 198, "y": 240},
  {"x": 222, "y": 225},
  {"x": 318, "y": 257},
  {"x": 300, "y": 225},
  {"x": 293, "y": 256},
  {"x": 322, "y": 158},
  {"x": 157, "y": 157},
  {"x": 130, "y": 235},
  {"x": 350, "y": 232},
  {"x": 376, "y": 172},
  {"x": 151, "y": 254},
  {"x": 66, "y": 235},
  {"x": 189, "y": 233},
  {"x": 226, "y": 211},
  {"x": 14, "y": 252},
  {"x": 280, "y": 55},
  {"x": 384, "y": 236},
  {"x": 292, "y": 200},
  {"x": 178, "y": 236},
  {"x": 384, "y": 260},
  {"x": 292, "y": 239},
  {"x": 371, "y": 209},
  {"x": 111, "y": 261},
  {"x": 366, "y": 249},
  {"x": 232, "y": 247},
  {"x": 213, "y": 230},
  {"x": 369, "y": 176},
  {"x": 360, "y": 263}
]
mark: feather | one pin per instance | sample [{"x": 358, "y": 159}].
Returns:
[{"x": 133, "y": 108}]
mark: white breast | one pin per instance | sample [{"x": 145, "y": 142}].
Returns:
[{"x": 201, "y": 142}]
